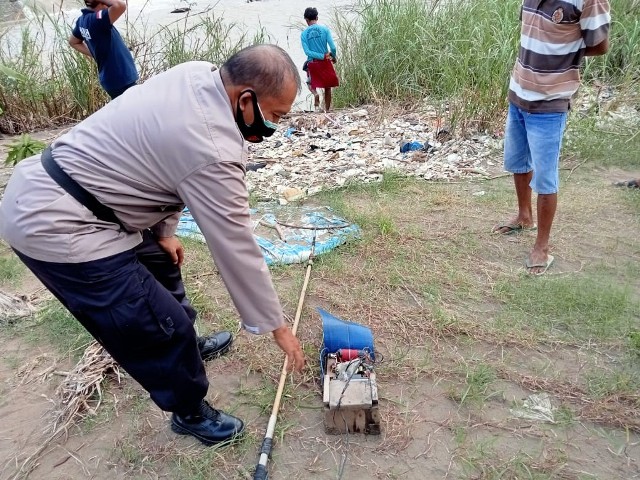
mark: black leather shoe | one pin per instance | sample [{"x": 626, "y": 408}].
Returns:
[
  {"x": 214, "y": 345},
  {"x": 208, "y": 425}
]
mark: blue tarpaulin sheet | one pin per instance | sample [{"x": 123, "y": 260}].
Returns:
[{"x": 285, "y": 234}]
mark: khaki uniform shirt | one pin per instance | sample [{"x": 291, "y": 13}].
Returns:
[{"x": 168, "y": 142}]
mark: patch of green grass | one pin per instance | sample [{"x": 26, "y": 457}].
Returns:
[
  {"x": 431, "y": 291},
  {"x": 333, "y": 261},
  {"x": 483, "y": 459},
  {"x": 384, "y": 224},
  {"x": 634, "y": 342},
  {"x": 216, "y": 462},
  {"x": 588, "y": 307},
  {"x": 443, "y": 318},
  {"x": 374, "y": 222},
  {"x": 564, "y": 415},
  {"x": 612, "y": 144},
  {"x": 378, "y": 219},
  {"x": 55, "y": 324},
  {"x": 211, "y": 317},
  {"x": 12, "y": 361},
  {"x": 477, "y": 387},
  {"x": 255, "y": 200},
  {"x": 11, "y": 268},
  {"x": 622, "y": 62},
  {"x": 198, "y": 272},
  {"x": 632, "y": 198},
  {"x": 625, "y": 380},
  {"x": 393, "y": 182},
  {"x": 460, "y": 435},
  {"x": 261, "y": 397}
]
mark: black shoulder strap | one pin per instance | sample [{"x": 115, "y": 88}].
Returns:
[{"x": 74, "y": 189}]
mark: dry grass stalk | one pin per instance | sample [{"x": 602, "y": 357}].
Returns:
[
  {"x": 80, "y": 394},
  {"x": 13, "y": 307}
]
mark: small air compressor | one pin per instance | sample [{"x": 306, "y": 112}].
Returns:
[{"x": 350, "y": 393}]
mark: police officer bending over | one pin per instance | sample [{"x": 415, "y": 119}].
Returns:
[{"x": 94, "y": 219}]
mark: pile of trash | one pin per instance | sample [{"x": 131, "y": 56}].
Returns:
[{"x": 316, "y": 151}]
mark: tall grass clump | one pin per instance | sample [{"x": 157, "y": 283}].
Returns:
[
  {"x": 46, "y": 89},
  {"x": 454, "y": 54},
  {"x": 457, "y": 54},
  {"x": 622, "y": 63},
  {"x": 45, "y": 83},
  {"x": 193, "y": 37}
]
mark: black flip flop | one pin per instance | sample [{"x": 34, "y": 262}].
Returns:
[{"x": 628, "y": 183}]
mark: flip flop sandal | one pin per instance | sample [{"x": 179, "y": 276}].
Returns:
[
  {"x": 545, "y": 266},
  {"x": 511, "y": 228},
  {"x": 628, "y": 183}
]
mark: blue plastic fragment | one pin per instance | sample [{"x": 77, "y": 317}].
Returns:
[{"x": 410, "y": 146}]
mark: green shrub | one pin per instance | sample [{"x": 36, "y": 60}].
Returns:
[{"x": 23, "y": 148}]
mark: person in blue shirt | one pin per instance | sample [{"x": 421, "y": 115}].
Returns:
[
  {"x": 95, "y": 36},
  {"x": 317, "y": 44}
]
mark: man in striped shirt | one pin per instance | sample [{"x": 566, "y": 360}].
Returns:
[{"x": 556, "y": 35}]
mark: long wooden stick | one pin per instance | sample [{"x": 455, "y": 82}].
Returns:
[{"x": 265, "y": 451}]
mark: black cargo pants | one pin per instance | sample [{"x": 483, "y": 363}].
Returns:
[{"x": 134, "y": 304}]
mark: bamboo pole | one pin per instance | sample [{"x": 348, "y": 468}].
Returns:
[{"x": 265, "y": 451}]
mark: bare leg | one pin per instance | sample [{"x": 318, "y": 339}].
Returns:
[
  {"x": 316, "y": 96},
  {"x": 327, "y": 99},
  {"x": 523, "y": 192},
  {"x": 546, "y": 206}
]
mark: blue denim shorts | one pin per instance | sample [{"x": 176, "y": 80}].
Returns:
[{"x": 532, "y": 142}]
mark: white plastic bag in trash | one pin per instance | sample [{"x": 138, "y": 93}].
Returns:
[{"x": 535, "y": 407}]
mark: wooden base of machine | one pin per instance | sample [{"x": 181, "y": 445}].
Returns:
[{"x": 344, "y": 420}]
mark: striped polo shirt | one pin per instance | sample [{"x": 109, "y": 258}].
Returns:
[{"x": 554, "y": 37}]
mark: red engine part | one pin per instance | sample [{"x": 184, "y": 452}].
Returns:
[{"x": 347, "y": 354}]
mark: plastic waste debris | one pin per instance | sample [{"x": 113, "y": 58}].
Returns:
[
  {"x": 252, "y": 167},
  {"x": 536, "y": 406},
  {"x": 292, "y": 131},
  {"x": 415, "y": 146},
  {"x": 388, "y": 141},
  {"x": 410, "y": 146}
]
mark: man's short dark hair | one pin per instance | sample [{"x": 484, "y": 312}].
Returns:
[
  {"x": 311, "y": 13},
  {"x": 264, "y": 68}
]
